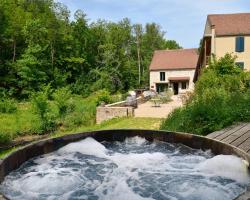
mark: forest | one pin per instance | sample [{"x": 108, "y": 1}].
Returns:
[
  {"x": 57, "y": 66},
  {"x": 42, "y": 42}
]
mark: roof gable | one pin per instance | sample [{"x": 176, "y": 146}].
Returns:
[
  {"x": 230, "y": 24},
  {"x": 174, "y": 59}
]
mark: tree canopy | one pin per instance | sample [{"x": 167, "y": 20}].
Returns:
[{"x": 40, "y": 44}]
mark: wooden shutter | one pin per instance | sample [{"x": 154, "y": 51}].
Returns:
[{"x": 240, "y": 43}]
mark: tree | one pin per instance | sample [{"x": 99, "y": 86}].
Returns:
[
  {"x": 40, "y": 45},
  {"x": 138, "y": 34},
  {"x": 172, "y": 44}
]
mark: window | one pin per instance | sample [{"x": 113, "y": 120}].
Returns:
[
  {"x": 239, "y": 46},
  {"x": 162, "y": 76},
  {"x": 240, "y": 65},
  {"x": 183, "y": 85}
]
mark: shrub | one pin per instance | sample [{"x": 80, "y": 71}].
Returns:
[
  {"x": 84, "y": 114},
  {"x": 166, "y": 96},
  {"x": 116, "y": 98},
  {"x": 203, "y": 115},
  {"x": 5, "y": 137},
  {"x": 100, "y": 96},
  {"x": 7, "y": 106},
  {"x": 42, "y": 108},
  {"x": 62, "y": 100},
  {"x": 221, "y": 97},
  {"x": 187, "y": 98}
]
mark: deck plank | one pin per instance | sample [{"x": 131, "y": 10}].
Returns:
[
  {"x": 231, "y": 131},
  {"x": 245, "y": 146},
  {"x": 237, "y": 135},
  {"x": 241, "y": 139},
  {"x": 217, "y": 133}
]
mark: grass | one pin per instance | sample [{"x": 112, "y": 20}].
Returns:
[
  {"x": 7, "y": 152},
  {"x": 19, "y": 123},
  {"x": 117, "y": 123},
  {"x": 24, "y": 121}
]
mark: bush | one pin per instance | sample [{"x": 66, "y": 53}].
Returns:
[
  {"x": 84, "y": 114},
  {"x": 205, "y": 114},
  {"x": 221, "y": 97},
  {"x": 5, "y": 137},
  {"x": 101, "y": 96},
  {"x": 7, "y": 106},
  {"x": 42, "y": 108},
  {"x": 62, "y": 100},
  {"x": 165, "y": 97}
]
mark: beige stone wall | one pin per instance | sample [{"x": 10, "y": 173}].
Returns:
[
  {"x": 225, "y": 45},
  {"x": 155, "y": 78},
  {"x": 117, "y": 109},
  {"x": 106, "y": 113}
]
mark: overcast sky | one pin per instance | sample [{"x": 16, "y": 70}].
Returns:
[{"x": 182, "y": 20}]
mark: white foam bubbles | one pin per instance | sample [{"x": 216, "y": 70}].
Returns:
[
  {"x": 135, "y": 141},
  {"x": 120, "y": 190},
  {"x": 142, "y": 160},
  {"x": 88, "y": 146},
  {"x": 228, "y": 166},
  {"x": 130, "y": 170}
]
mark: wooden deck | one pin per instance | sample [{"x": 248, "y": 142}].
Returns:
[{"x": 237, "y": 135}]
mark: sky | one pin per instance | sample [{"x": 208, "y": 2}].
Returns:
[{"x": 182, "y": 20}]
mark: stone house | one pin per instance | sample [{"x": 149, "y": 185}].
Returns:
[
  {"x": 225, "y": 33},
  {"x": 173, "y": 69}
]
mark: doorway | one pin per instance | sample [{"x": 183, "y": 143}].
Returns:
[{"x": 176, "y": 88}]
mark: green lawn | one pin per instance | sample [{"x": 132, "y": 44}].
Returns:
[
  {"x": 136, "y": 123},
  {"x": 118, "y": 123}
]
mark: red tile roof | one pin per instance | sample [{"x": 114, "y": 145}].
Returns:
[
  {"x": 174, "y": 59},
  {"x": 230, "y": 24}
]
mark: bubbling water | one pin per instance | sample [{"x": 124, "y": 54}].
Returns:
[{"x": 132, "y": 170}]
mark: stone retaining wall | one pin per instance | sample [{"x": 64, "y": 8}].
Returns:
[
  {"x": 106, "y": 113},
  {"x": 118, "y": 109}
]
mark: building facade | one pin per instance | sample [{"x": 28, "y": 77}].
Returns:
[
  {"x": 226, "y": 33},
  {"x": 174, "y": 70}
]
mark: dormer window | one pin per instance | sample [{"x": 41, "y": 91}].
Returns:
[{"x": 239, "y": 46}]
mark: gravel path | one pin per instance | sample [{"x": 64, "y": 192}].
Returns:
[{"x": 147, "y": 109}]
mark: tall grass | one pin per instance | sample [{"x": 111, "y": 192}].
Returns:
[
  {"x": 21, "y": 122},
  {"x": 7, "y": 105},
  {"x": 48, "y": 111}
]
